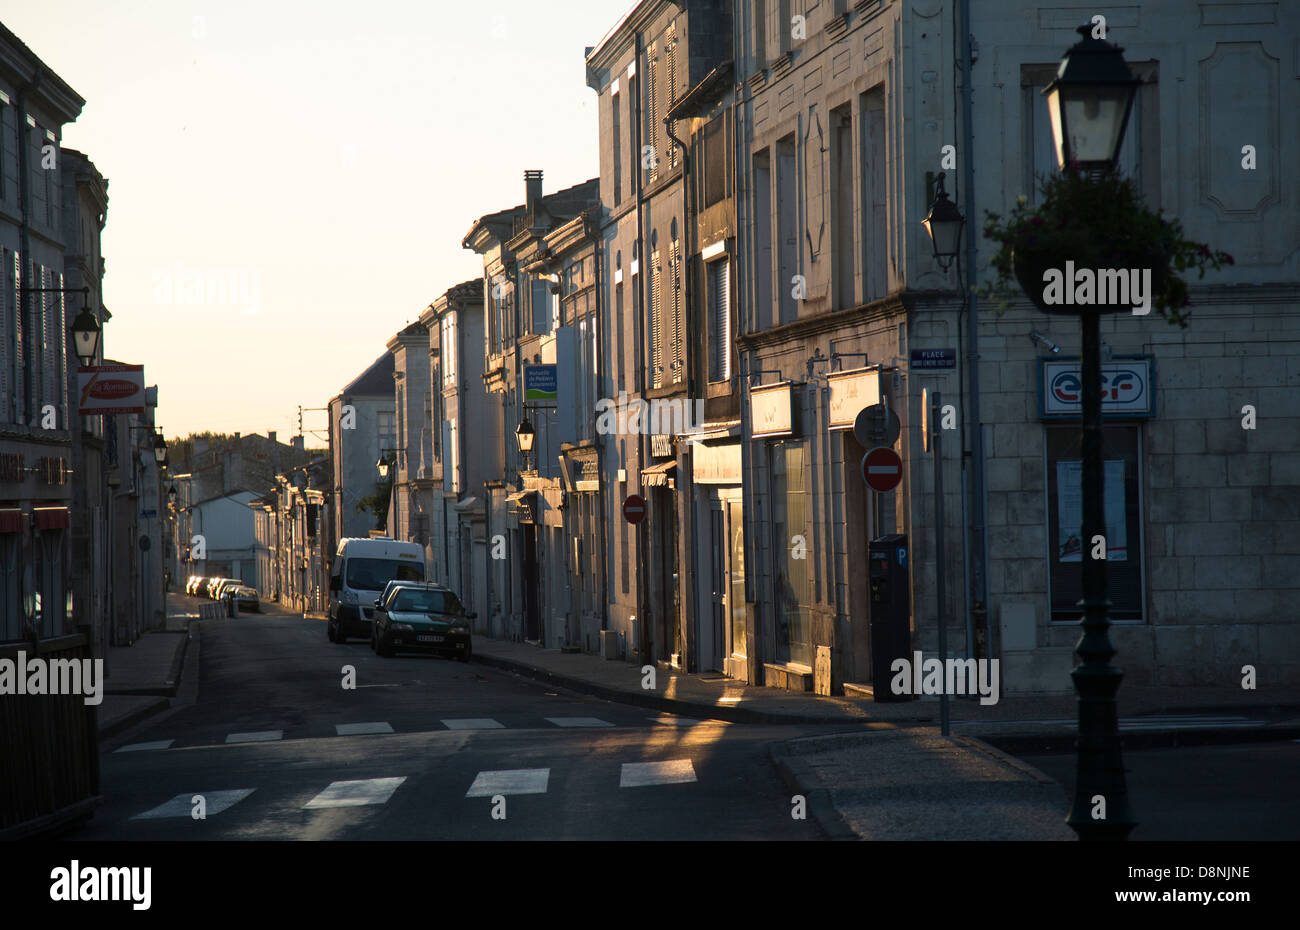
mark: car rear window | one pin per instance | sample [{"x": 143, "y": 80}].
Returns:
[{"x": 427, "y": 602}]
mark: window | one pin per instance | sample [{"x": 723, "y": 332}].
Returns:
[
  {"x": 652, "y": 122},
  {"x": 617, "y": 102},
  {"x": 760, "y": 33},
  {"x": 789, "y": 503},
  {"x": 764, "y": 313},
  {"x": 875, "y": 217},
  {"x": 714, "y": 143},
  {"x": 719, "y": 298},
  {"x": 1138, "y": 153},
  {"x": 656, "y": 351},
  {"x": 387, "y": 438},
  {"x": 672, "y": 98},
  {"x": 842, "y": 236},
  {"x": 448, "y": 350},
  {"x": 678, "y": 336},
  {"x": 787, "y": 231},
  {"x": 1123, "y": 515},
  {"x": 541, "y": 305}
]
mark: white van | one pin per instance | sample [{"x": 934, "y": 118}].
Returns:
[{"x": 361, "y": 569}]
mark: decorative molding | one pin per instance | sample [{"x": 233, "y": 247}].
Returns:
[{"x": 1229, "y": 120}]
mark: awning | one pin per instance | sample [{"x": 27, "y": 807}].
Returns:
[
  {"x": 51, "y": 518},
  {"x": 11, "y": 520},
  {"x": 714, "y": 432},
  {"x": 519, "y": 495},
  {"x": 656, "y": 476},
  {"x": 464, "y": 505}
]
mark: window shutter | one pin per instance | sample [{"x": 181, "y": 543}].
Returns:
[
  {"x": 652, "y": 127},
  {"x": 61, "y": 347},
  {"x": 672, "y": 97},
  {"x": 21, "y": 329},
  {"x": 679, "y": 368},
  {"x": 6, "y": 327},
  {"x": 656, "y": 364},
  {"x": 719, "y": 320}
]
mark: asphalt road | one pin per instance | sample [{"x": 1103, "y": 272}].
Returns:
[
  {"x": 1240, "y": 792},
  {"x": 423, "y": 748}
]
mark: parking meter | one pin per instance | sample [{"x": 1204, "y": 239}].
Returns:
[{"x": 891, "y": 635}]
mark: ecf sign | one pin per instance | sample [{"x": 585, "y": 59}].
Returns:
[{"x": 1127, "y": 388}]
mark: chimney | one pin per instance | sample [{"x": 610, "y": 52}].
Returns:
[
  {"x": 532, "y": 191},
  {"x": 297, "y": 443},
  {"x": 270, "y": 434}
]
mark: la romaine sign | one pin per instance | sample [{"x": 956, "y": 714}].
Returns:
[{"x": 110, "y": 389}]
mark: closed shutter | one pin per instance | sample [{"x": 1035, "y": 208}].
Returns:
[
  {"x": 14, "y": 271},
  {"x": 541, "y": 306},
  {"x": 672, "y": 98},
  {"x": 61, "y": 347},
  {"x": 678, "y": 365},
  {"x": 719, "y": 320},
  {"x": 656, "y": 357},
  {"x": 652, "y": 123},
  {"x": 6, "y": 337}
]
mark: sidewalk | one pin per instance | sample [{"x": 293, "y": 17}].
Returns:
[
  {"x": 885, "y": 772},
  {"x": 141, "y": 679}
]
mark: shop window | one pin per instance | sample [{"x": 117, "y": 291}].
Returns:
[{"x": 791, "y": 600}]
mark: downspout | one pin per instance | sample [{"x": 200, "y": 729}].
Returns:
[
  {"x": 690, "y": 209},
  {"x": 591, "y": 227},
  {"x": 978, "y": 611},
  {"x": 642, "y": 560}
]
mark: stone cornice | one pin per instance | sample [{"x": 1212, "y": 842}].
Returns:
[{"x": 891, "y": 306}]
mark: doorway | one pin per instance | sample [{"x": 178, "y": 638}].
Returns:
[{"x": 532, "y": 609}]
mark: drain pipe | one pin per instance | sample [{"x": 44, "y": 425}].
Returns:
[{"x": 977, "y": 615}]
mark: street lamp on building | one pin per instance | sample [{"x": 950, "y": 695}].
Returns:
[
  {"x": 159, "y": 448},
  {"x": 525, "y": 437},
  {"x": 1089, "y": 102},
  {"x": 171, "y": 497},
  {"x": 385, "y": 463},
  {"x": 85, "y": 336},
  {"x": 943, "y": 223}
]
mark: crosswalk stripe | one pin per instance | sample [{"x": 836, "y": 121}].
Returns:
[
  {"x": 579, "y": 722},
  {"x": 361, "y": 729},
  {"x": 142, "y": 747},
  {"x": 642, "y": 774},
  {"x": 668, "y": 720},
  {"x": 259, "y": 736},
  {"x": 356, "y": 793},
  {"x": 509, "y": 781},
  {"x": 473, "y": 723},
  {"x": 183, "y": 804}
]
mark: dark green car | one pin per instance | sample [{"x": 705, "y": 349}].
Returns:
[{"x": 422, "y": 618}]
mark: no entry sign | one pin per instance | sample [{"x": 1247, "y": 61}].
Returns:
[
  {"x": 634, "y": 508},
  {"x": 882, "y": 469}
]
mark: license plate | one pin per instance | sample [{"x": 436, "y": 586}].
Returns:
[{"x": 429, "y": 639}]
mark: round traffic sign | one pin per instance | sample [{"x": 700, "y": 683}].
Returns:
[
  {"x": 882, "y": 469},
  {"x": 634, "y": 508},
  {"x": 877, "y": 425}
]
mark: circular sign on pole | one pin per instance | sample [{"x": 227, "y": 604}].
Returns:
[
  {"x": 634, "y": 509},
  {"x": 877, "y": 425},
  {"x": 882, "y": 469}
]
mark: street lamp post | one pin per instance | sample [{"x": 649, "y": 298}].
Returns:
[
  {"x": 1089, "y": 103},
  {"x": 525, "y": 436}
]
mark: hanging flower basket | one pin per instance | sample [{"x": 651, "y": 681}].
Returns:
[{"x": 1092, "y": 245}]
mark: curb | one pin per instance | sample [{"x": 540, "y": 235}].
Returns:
[
  {"x": 173, "y": 684},
  {"x": 1043, "y": 744},
  {"x": 799, "y": 777},
  {"x": 671, "y": 705},
  {"x": 131, "y": 719}
]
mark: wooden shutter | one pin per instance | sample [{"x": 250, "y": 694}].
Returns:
[
  {"x": 7, "y": 328},
  {"x": 656, "y": 356},
  {"x": 652, "y": 123},
  {"x": 719, "y": 274},
  {"x": 678, "y": 353},
  {"x": 672, "y": 97},
  {"x": 61, "y": 348},
  {"x": 14, "y": 270}
]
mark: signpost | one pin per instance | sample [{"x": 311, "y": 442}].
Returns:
[{"x": 934, "y": 443}]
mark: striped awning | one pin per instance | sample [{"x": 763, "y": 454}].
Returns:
[{"x": 656, "y": 476}]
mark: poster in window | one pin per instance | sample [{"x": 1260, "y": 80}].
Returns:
[{"x": 1069, "y": 503}]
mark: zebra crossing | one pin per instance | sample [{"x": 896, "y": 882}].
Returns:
[
  {"x": 367, "y": 792},
  {"x": 376, "y": 728},
  {"x": 1152, "y": 722}
]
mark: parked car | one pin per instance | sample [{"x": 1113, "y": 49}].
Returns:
[
  {"x": 225, "y": 586},
  {"x": 192, "y": 586},
  {"x": 422, "y": 618},
  {"x": 209, "y": 585},
  {"x": 359, "y": 573},
  {"x": 246, "y": 597},
  {"x": 395, "y": 583},
  {"x": 214, "y": 585}
]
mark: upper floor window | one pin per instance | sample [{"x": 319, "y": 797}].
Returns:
[{"x": 1139, "y": 153}]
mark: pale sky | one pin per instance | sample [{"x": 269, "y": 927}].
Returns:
[{"x": 314, "y": 164}]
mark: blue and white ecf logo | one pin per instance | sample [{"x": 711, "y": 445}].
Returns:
[{"x": 1117, "y": 387}]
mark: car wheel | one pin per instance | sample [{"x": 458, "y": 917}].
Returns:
[
  {"x": 329, "y": 630},
  {"x": 469, "y": 650},
  {"x": 383, "y": 649}
]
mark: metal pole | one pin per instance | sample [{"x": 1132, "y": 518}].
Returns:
[
  {"x": 936, "y": 406},
  {"x": 1101, "y": 809}
]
